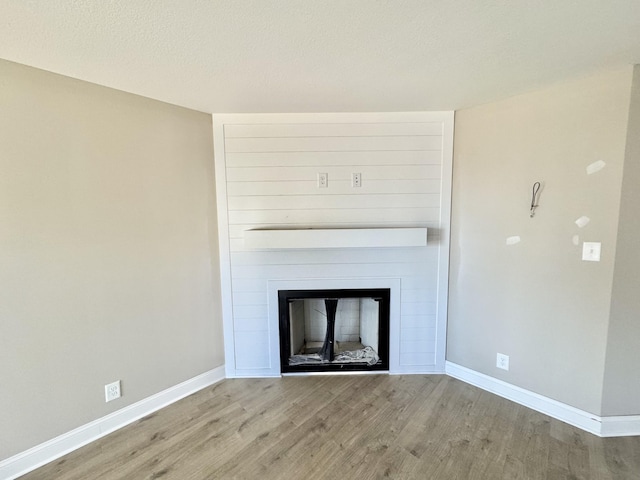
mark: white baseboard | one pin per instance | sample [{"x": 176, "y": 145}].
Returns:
[
  {"x": 622, "y": 426},
  {"x": 24, "y": 462},
  {"x": 600, "y": 426},
  {"x": 46, "y": 452}
]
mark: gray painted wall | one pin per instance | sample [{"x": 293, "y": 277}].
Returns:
[
  {"x": 621, "y": 395},
  {"x": 536, "y": 300},
  {"x": 107, "y": 228}
]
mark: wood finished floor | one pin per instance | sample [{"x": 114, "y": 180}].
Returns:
[{"x": 348, "y": 427}]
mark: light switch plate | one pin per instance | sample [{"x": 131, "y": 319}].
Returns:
[{"x": 591, "y": 251}]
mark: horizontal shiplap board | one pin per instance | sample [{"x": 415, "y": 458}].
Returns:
[
  {"x": 278, "y": 272},
  {"x": 316, "y": 159},
  {"x": 418, "y": 308},
  {"x": 418, "y": 321},
  {"x": 417, "y": 295},
  {"x": 259, "y": 284},
  {"x": 416, "y": 346},
  {"x": 293, "y": 174},
  {"x": 316, "y": 202},
  {"x": 251, "y": 311},
  {"x": 248, "y": 285},
  {"x": 332, "y": 129},
  {"x": 415, "y": 315},
  {"x": 336, "y": 256},
  {"x": 333, "y": 144},
  {"x": 336, "y": 187},
  {"x": 252, "y": 349},
  {"x": 237, "y": 245},
  {"x": 354, "y": 216},
  {"x": 251, "y": 324},
  {"x": 425, "y": 335},
  {"x": 417, "y": 358},
  {"x": 249, "y": 298}
]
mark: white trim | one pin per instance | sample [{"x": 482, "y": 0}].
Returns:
[
  {"x": 445, "y": 240},
  {"x": 418, "y": 370},
  {"x": 623, "y": 426},
  {"x": 224, "y": 248},
  {"x": 600, "y": 426},
  {"x": 46, "y": 452},
  {"x": 335, "y": 238},
  {"x": 344, "y": 117}
]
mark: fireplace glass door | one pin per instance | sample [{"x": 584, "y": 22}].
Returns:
[{"x": 329, "y": 330}]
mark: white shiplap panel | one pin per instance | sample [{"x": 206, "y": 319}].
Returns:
[
  {"x": 418, "y": 308},
  {"x": 425, "y": 280},
  {"x": 315, "y": 202},
  {"x": 338, "y": 257},
  {"x": 333, "y": 129},
  {"x": 259, "y": 284},
  {"x": 270, "y": 168},
  {"x": 252, "y": 350},
  {"x": 249, "y": 298},
  {"x": 415, "y": 345},
  {"x": 250, "y": 311},
  {"x": 355, "y": 216},
  {"x": 317, "y": 159},
  {"x": 248, "y": 285},
  {"x": 292, "y": 174},
  {"x": 333, "y": 144},
  {"x": 277, "y": 272},
  {"x": 417, "y": 359},
  {"x": 336, "y": 187},
  {"x": 251, "y": 324},
  {"x": 426, "y": 335},
  {"x": 418, "y": 321},
  {"x": 418, "y": 295}
]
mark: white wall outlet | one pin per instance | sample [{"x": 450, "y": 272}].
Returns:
[
  {"x": 356, "y": 179},
  {"x": 591, "y": 251},
  {"x": 112, "y": 391},
  {"x": 502, "y": 361},
  {"x": 323, "y": 180}
]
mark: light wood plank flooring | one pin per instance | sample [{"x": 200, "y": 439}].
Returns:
[{"x": 348, "y": 427}]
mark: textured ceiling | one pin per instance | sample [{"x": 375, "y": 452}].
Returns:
[{"x": 322, "y": 55}]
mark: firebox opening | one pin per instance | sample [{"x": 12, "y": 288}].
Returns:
[{"x": 328, "y": 330}]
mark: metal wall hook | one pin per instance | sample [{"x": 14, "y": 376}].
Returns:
[{"x": 534, "y": 199}]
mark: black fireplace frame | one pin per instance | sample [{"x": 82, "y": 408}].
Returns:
[{"x": 381, "y": 295}]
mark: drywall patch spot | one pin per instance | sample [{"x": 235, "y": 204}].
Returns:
[
  {"x": 513, "y": 240},
  {"x": 582, "y": 221},
  {"x": 576, "y": 240},
  {"x": 595, "y": 167}
]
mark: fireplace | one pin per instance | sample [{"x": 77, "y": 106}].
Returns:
[{"x": 334, "y": 330}]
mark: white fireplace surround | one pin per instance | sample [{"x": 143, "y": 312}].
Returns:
[
  {"x": 393, "y": 284},
  {"x": 280, "y": 229}
]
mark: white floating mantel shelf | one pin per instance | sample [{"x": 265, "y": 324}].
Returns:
[{"x": 335, "y": 238}]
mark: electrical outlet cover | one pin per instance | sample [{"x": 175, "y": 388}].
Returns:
[
  {"x": 112, "y": 391},
  {"x": 356, "y": 180},
  {"x": 502, "y": 361},
  {"x": 323, "y": 180}
]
